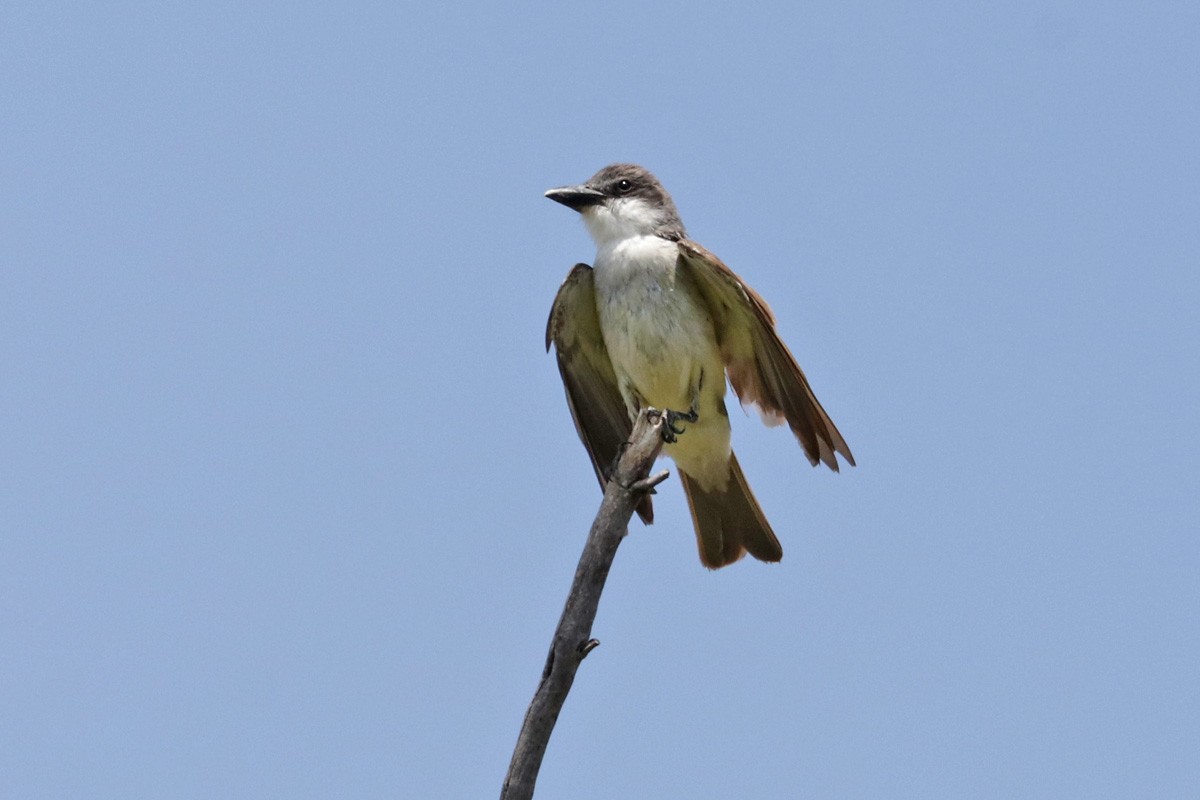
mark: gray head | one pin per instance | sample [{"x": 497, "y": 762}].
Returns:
[{"x": 620, "y": 201}]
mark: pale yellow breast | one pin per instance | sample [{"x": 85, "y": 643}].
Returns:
[{"x": 658, "y": 334}]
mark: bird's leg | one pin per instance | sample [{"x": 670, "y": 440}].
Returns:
[
  {"x": 671, "y": 431},
  {"x": 690, "y": 415}
]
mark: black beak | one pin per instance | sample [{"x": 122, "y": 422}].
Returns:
[{"x": 576, "y": 197}]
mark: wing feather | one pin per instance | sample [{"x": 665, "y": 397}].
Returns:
[
  {"x": 761, "y": 369},
  {"x": 587, "y": 374}
]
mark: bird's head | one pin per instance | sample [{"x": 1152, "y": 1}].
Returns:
[{"x": 622, "y": 201}]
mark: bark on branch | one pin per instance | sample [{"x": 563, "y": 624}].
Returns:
[{"x": 572, "y": 639}]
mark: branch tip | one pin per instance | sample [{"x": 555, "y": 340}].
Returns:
[{"x": 646, "y": 485}]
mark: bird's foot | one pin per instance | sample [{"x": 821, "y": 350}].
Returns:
[{"x": 672, "y": 431}]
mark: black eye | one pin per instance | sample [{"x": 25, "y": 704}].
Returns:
[{"x": 624, "y": 185}]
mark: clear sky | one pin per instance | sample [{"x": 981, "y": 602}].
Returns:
[{"x": 290, "y": 498}]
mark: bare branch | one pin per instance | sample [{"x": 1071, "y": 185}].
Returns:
[
  {"x": 646, "y": 485},
  {"x": 572, "y": 639}
]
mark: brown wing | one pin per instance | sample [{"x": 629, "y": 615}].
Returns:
[
  {"x": 761, "y": 368},
  {"x": 587, "y": 375}
]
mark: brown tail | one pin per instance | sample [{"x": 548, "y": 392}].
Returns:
[{"x": 729, "y": 523}]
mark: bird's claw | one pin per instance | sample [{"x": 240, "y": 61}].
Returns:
[{"x": 672, "y": 431}]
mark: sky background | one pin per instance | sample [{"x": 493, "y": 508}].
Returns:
[{"x": 290, "y": 498}]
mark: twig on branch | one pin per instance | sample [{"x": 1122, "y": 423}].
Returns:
[{"x": 572, "y": 639}]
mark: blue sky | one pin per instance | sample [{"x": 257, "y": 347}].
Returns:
[{"x": 290, "y": 497}]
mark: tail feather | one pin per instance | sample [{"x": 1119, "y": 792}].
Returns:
[
  {"x": 645, "y": 510},
  {"x": 729, "y": 523}
]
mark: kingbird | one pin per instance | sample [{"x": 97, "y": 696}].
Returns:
[{"x": 659, "y": 321}]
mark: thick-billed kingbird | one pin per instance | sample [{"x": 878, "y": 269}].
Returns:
[{"x": 659, "y": 321}]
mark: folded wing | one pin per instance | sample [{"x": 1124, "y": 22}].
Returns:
[
  {"x": 761, "y": 368},
  {"x": 587, "y": 374}
]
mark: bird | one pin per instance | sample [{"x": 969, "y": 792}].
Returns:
[{"x": 659, "y": 321}]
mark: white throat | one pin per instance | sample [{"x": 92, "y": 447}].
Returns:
[{"x": 620, "y": 219}]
